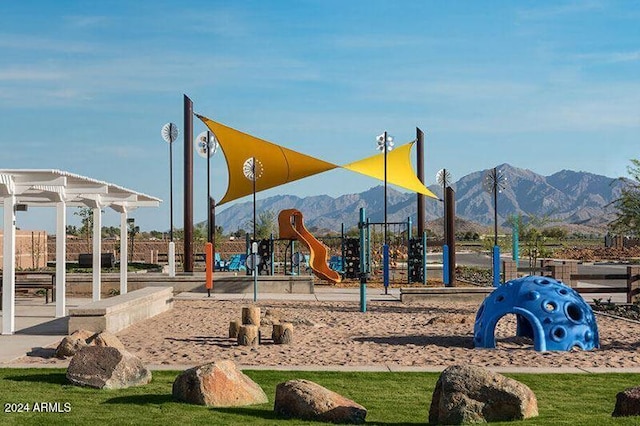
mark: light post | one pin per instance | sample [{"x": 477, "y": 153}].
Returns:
[
  {"x": 493, "y": 184},
  {"x": 385, "y": 144},
  {"x": 169, "y": 133},
  {"x": 252, "y": 169},
  {"x": 207, "y": 145}
]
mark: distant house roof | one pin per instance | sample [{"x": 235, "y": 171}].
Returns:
[{"x": 40, "y": 187}]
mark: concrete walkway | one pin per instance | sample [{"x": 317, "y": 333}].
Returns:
[{"x": 37, "y": 328}]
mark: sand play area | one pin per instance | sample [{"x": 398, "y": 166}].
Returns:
[{"x": 337, "y": 334}]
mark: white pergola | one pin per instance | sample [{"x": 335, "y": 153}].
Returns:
[{"x": 60, "y": 189}]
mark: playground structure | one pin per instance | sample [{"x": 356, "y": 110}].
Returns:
[
  {"x": 280, "y": 165},
  {"x": 552, "y": 314},
  {"x": 336, "y": 258},
  {"x": 291, "y": 224}
]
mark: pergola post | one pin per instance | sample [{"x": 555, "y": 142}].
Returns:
[
  {"x": 97, "y": 252},
  {"x": 124, "y": 251},
  {"x": 9, "y": 266},
  {"x": 61, "y": 258}
]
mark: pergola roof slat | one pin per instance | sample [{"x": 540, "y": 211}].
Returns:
[{"x": 48, "y": 187}]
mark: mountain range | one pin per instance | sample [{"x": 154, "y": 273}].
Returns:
[{"x": 580, "y": 199}]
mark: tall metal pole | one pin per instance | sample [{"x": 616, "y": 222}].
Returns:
[
  {"x": 420, "y": 173},
  {"x": 171, "y": 185},
  {"x": 212, "y": 219},
  {"x": 188, "y": 185},
  {"x": 208, "y": 145},
  {"x": 363, "y": 258},
  {"x": 444, "y": 204},
  {"x": 451, "y": 232},
  {"x": 253, "y": 171},
  {"x": 495, "y": 206},
  {"x": 386, "y": 148}
]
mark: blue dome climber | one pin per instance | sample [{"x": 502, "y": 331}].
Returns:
[{"x": 553, "y": 315}]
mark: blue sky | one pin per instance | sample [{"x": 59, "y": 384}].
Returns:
[{"x": 86, "y": 86}]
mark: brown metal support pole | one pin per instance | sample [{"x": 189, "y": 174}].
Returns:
[
  {"x": 188, "y": 185},
  {"x": 420, "y": 173},
  {"x": 450, "y": 197}
]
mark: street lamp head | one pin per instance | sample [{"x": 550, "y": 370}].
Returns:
[
  {"x": 384, "y": 142},
  {"x": 206, "y": 148},
  {"x": 494, "y": 181},
  {"x": 252, "y": 169},
  {"x": 169, "y": 133},
  {"x": 443, "y": 177}
]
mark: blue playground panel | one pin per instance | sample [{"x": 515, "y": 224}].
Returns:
[
  {"x": 552, "y": 314},
  {"x": 335, "y": 263},
  {"x": 237, "y": 262}
]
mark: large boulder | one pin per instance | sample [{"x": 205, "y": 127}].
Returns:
[
  {"x": 73, "y": 343},
  {"x": 107, "y": 339},
  {"x": 470, "y": 394},
  {"x": 69, "y": 346},
  {"x": 627, "y": 403},
  {"x": 306, "y": 400},
  {"x": 217, "y": 384},
  {"x": 107, "y": 368},
  {"x": 84, "y": 334}
]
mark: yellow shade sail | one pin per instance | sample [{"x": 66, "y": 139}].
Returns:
[
  {"x": 274, "y": 165},
  {"x": 399, "y": 169}
]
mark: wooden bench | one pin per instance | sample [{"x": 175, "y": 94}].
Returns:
[
  {"x": 39, "y": 280},
  {"x": 116, "y": 313}
]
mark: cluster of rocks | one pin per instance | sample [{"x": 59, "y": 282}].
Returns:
[
  {"x": 99, "y": 360},
  {"x": 221, "y": 384},
  {"x": 475, "y": 275},
  {"x": 247, "y": 330},
  {"x": 463, "y": 393},
  {"x": 468, "y": 394},
  {"x": 598, "y": 253},
  {"x": 627, "y": 311}
]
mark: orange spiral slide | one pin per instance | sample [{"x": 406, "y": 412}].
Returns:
[{"x": 292, "y": 226}]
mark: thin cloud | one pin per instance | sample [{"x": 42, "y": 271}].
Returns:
[
  {"x": 559, "y": 10},
  {"x": 610, "y": 57},
  {"x": 374, "y": 41},
  {"x": 23, "y": 42},
  {"x": 221, "y": 22},
  {"x": 26, "y": 74},
  {"x": 86, "y": 21}
]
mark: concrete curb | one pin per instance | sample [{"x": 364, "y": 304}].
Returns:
[{"x": 382, "y": 368}]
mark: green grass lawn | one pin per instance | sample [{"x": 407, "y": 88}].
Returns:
[{"x": 390, "y": 398}]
